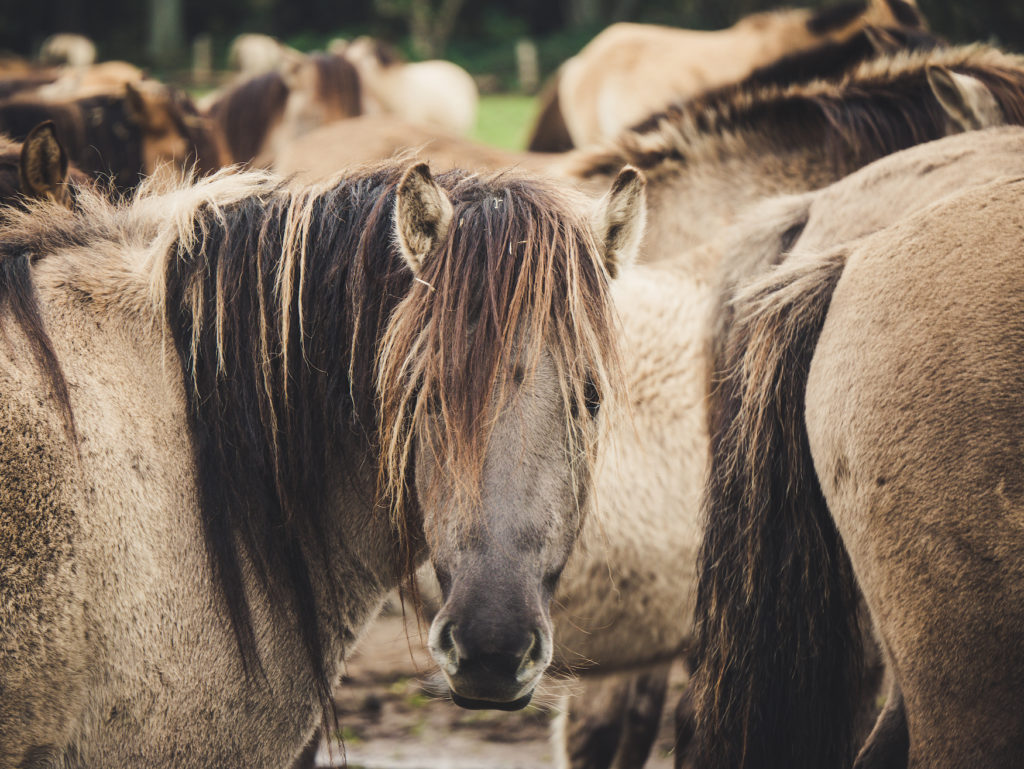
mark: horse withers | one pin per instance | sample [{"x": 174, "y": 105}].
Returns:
[{"x": 238, "y": 413}]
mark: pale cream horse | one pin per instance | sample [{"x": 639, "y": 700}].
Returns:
[
  {"x": 865, "y": 442},
  {"x": 434, "y": 94},
  {"x": 630, "y": 71}
]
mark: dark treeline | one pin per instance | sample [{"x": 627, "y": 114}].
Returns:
[{"x": 123, "y": 28}]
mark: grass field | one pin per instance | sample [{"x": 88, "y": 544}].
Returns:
[{"x": 504, "y": 120}]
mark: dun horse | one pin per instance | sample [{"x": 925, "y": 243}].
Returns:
[
  {"x": 433, "y": 94},
  {"x": 125, "y": 135},
  {"x": 865, "y": 443},
  {"x": 798, "y": 138},
  {"x": 630, "y": 71},
  {"x": 260, "y": 116},
  {"x": 239, "y": 414}
]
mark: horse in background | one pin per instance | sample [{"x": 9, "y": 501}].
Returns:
[
  {"x": 260, "y": 116},
  {"x": 436, "y": 94},
  {"x": 66, "y": 49},
  {"x": 124, "y": 136},
  {"x": 252, "y": 54},
  {"x": 37, "y": 168},
  {"x": 319, "y": 154},
  {"x": 862, "y": 349},
  {"x": 788, "y": 139},
  {"x": 630, "y": 71}
]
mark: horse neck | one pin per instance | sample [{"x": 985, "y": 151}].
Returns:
[{"x": 712, "y": 189}]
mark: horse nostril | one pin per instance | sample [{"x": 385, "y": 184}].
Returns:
[
  {"x": 447, "y": 639},
  {"x": 536, "y": 651}
]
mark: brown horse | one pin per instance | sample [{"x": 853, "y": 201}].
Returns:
[
  {"x": 851, "y": 381},
  {"x": 796, "y": 138},
  {"x": 260, "y": 116},
  {"x": 630, "y": 71},
  {"x": 321, "y": 153},
  {"x": 237, "y": 414},
  {"x": 37, "y": 168},
  {"x": 125, "y": 135}
]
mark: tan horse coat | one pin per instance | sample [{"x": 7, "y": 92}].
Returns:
[
  {"x": 630, "y": 71},
  {"x": 923, "y": 187}
]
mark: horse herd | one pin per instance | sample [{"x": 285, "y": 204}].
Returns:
[{"x": 738, "y": 384}]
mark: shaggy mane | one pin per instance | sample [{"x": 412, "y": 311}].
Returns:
[
  {"x": 306, "y": 345},
  {"x": 882, "y": 106}
]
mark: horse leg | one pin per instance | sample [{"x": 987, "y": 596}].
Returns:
[
  {"x": 307, "y": 758},
  {"x": 686, "y": 726},
  {"x": 888, "y": 745},
  {"x": 587, "y": 735},
  {"x": 644, "y": 704}
]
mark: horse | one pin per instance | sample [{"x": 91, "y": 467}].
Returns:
[
  {"x": 260, "y": 116},
  {"x": 331, "y": 148},
  {"x": 67, "y": 49},
  {"x": 36, "y": 168},
  {"x": 253, "y": 54},
  {"x": 796, "y": 138},
  {"x": 849, "y": 374},
  {"x": 105, "y": 77},
  {"x": 433, "y": 94},
  {"x": 125, "y": 135},
  {"x": 630, "y": 71},
  {"x": 239, "y": 413},
  {"x": 609, "y": 713}
]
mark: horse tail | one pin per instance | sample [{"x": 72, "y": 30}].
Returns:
[
  {"x": 778, "y": 639},
  {"x": 550, "y": 133}
]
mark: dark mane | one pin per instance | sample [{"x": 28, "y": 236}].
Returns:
[
  {"x": 278, "y": 304},
  {"x": 831, "y": 60},
  {"x": 882, "y": 106},
  {"x": 246, "y": 113},
  {"x": 835, "y": 16},
  {"x": 338, "y": 83}
]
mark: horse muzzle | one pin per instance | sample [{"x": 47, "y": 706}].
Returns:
[{"x": 495, "y": 670}]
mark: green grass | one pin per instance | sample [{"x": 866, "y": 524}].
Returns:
[{"x": 504, "y": 120}]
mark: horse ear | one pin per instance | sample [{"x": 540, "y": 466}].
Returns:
[
  {"x": 44, "y": 163},
  {"x": 618, "y": 223},
  {"x": 423, "y": 215},
  {"x": 967, "y": 100},
  {"x": 136, "y": 104}
]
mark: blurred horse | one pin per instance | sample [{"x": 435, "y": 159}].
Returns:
[
  {"x": 433, "y": 94},
  {"x": 708, "y": 160},
  {"x": 321, "y": 153},
  {"x": 260, "y": 116},
  {"x": 630, "y": 71},
  {"x": 67, "y": 49},
  {"x": 252, "y": 54},
  {"x": 122, "y": 136}
]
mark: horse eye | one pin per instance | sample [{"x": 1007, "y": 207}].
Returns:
[{"x": 591, "y": 398}]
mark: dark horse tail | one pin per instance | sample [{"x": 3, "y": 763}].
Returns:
[
  {"x": 550, "y": 133},
  {"x": 778, "y": 640}
]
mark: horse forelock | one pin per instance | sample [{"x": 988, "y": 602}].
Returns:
[
  {"x": 880, "y": 106},
  {"x": 516, "y": 277}
]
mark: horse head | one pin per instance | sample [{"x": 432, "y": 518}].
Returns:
[{"x": 502, "y": 399}]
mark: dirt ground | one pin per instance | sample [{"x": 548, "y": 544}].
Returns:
[{"x": 393, "y": 715}]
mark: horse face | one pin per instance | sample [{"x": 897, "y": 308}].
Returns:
[
  {"x": 502, "y": 460},
  {"x": 498, "y": 554}
]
